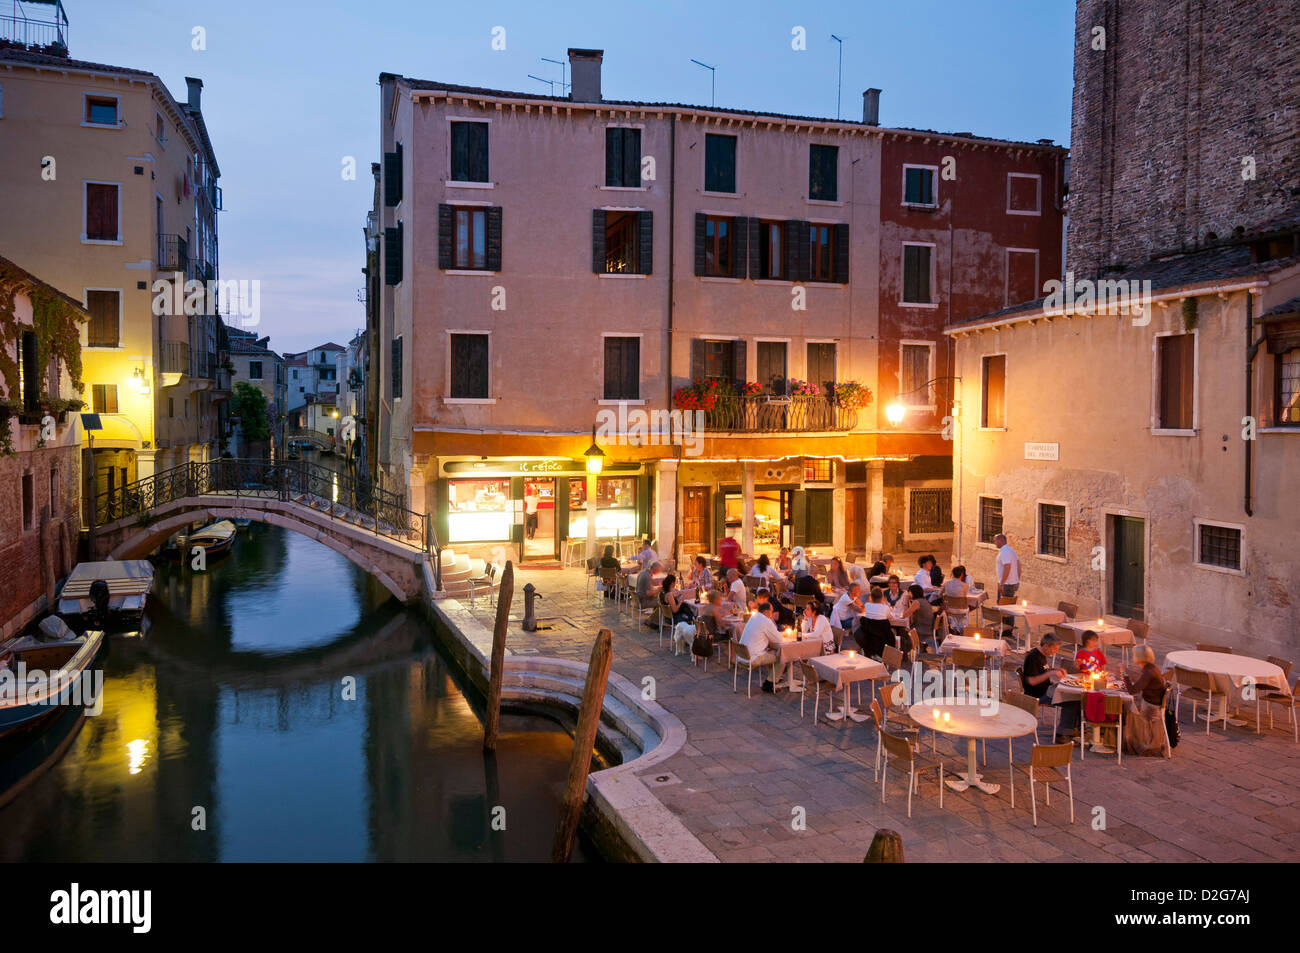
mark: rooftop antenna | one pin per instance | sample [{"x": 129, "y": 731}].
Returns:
[
  {"x": 548, "y": 82},
  {"x": 564, "y": 72},
  {"x": 839, "y": 76},
  {"x": 713, "y": 81}
]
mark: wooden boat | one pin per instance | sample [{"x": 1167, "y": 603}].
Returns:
[
  {"x": 215, "y": 538},
  {"x": 43, "y": 678},
  {"x": 108, "y": 595},
  {"x": 241, "y": 523}
]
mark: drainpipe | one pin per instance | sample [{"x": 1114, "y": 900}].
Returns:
[
  {"x": 1252, "y": 348},
  {"x": 672, "y": 245}
]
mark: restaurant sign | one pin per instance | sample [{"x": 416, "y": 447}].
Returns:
[
  {"x": 554, "y": 465},
  {"x": 1042, "y": 451}
]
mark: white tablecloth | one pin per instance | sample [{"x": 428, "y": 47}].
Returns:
[
  {"x": 1230, "y": 671},
  {"x": 971, "y": 644},
  {"x": 1034, "y": 614},
  {"x": 1107, "y": 634},
  {"x": 839, "y": 670}
]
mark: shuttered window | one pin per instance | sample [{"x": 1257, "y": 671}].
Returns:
[
  {"x": 918, "y": 188},
  {"x": 29, "y": 377},
  {"x": 622, "y": 157},
  {"x": 823, "y": 173},
  {"x": 993, "y": 410},
  {"x": 622, "y": 368},
  {"x": 469, "y": 367},
  {"x": 1177, "y": 354},
  {"x": 101, "y": 212},
  {"x": 622, "y": 251},
  {"x": 393, "y": 255},
  {"x": 469, "y": 152},
  {"x": 718, "y": 360},
  {"x": 104, "y": 309},
  {"x": 397, "y": 368},
  {"x": 719, "y": 163},
  {"x": 821, "y": 364},
  {"x": 469, "y": 238},
  {"x": 929, "y": 511},
  {"x": 820, "y": 524},
  {"x": 916, "y": 274},
  {"x": 914, "y": 375},
  {"x": 103, "y": 398},
  {"x": 718, "y": 241},
  {"x": 771, "y": 371},
  {"x": 393, "y": 177},
  {"x": 1287, "y": 395},
  {"x": 771, "y": 250},
  {"x": 797, "y": 250}
]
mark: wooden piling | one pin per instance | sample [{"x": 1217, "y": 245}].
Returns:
[
  {"x": 505, "y": 594},
  {"x": 886, "y": 848},
  {"x": 584, "y": 739}
]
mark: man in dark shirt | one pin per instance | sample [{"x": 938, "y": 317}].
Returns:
[
  {"x": 880, "y": 567},
  {"x": 784, "y": 615},
  {"x": 806, "y": 585},
  {"x": 1037, "y": 675}
]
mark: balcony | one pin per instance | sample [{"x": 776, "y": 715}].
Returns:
[
  {"x": 173, "y": 254},
  {"x": 42, "y": 27},
  {"x": 766, "y": 413}
]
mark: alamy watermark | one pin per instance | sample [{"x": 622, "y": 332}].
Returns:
[
  {"x": 1123, "y": 296},
  {"x": 239, "y": 301},
  {"x": 67, "y": 687},
  {"x": 638, "y": 427}
]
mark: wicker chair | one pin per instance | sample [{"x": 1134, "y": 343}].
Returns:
[
  {"x": 750, "y": 662},
  {"x": 1139, "y": 628},
  {"x": 1069, "y": 608},
  {"x": 1044, "y": 765}
]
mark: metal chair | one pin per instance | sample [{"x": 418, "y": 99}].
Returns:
[
  {"x": 902, "y": 750},
  {"x": 609, "y": 579},
  {"x": 1069, "y": 638},
  {"x": 1069, "y": 608},
  {"x": 1044, "y": 765},
  {"x": 1197, "y": 687},
  {"x": 1139, "y": 629},
  {"x": 750, "y": 662},
  {"x": 810, "y": 677},
  {"x": 1114, "y": 706},
  {"x": 487, "y": 578}
]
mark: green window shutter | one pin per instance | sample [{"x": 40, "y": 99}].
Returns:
[
  {"x": 645, "y": 236},
  {"x": 841, "y": 274},
  {"x": 701, "y": 240},
  {"x": 739, "y": 246},
  {"x": 446, "y": 228},
  {"x": 738, "y": 351},
  {"x": 393, "y": 177},
  {"x": 698, "y": 350},
  {"x": 818, "y": 522},
  {"x": 798, "y": 518},
  {"x": 397, "y": 368},
  {"x": 494, "y": 238},
  {"x": 598, "y": 238},
  {"x": 393, "y": 256}
]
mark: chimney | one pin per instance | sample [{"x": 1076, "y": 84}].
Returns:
[
  {"x": 871, "y": 107},
  {"x": 195, "y": 88},
  {"x": 584, "y": 67}
]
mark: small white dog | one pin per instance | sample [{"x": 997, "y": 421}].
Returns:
[{"x": 683, "y": 636}]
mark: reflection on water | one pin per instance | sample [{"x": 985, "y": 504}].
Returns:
[{"x": 283, "y": 702}]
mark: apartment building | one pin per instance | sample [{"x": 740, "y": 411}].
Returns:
[
  {"x": 550, "y": 265},
  {"x": 253, "y": 362},
  {"x": 313, "y": 388},
  {"x": 1136, "y": 434},
  {"x": 122, "y": 179}
]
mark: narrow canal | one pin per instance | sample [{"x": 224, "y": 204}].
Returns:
[{"x": 234, "y": 716}]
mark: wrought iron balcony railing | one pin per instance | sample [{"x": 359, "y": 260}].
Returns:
[
  {"x": 765, "y": 413},
  {"x": 173, "y": 253}
]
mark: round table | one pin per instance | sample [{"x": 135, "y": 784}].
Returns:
[
  {"x": 974, "y": 722},
  {"x": 1229, "y": 671}
]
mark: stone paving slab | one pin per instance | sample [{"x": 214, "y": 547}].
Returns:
[{"x": 752, "y": 767}]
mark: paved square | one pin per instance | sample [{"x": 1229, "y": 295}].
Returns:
[{"x": 750, "y": 764}]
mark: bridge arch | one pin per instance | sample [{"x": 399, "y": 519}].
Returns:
[{"x": 134, "y": 540}]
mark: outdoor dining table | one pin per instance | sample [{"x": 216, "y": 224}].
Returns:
[
  {"x": 1032, "y": 615},
  {"x": 974, "y": 722},
  {"x": 972, "y": 644},
  {"x": 1107, "y": 634},
  {"x": 1068, "y": 690},
  {"x": 794, "y": 649},
  {"x": 843, "y": 669},
  {"x": 1229, "y": 672}
]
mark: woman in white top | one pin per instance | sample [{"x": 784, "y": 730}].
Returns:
[
  {"x": 799, "y": 562},
  {"x": 762, "y": 569},
  {"x": 956, "y": 586},
  {"x": 814, "y": 625}
]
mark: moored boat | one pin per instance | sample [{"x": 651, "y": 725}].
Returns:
[
  {"x": 41, "y": 678},
  {"x": 215, "y": 539},
  {"x": 108, "y": 595}
]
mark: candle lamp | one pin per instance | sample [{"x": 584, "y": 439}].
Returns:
[
  {"x": 1024, "y": 603},
  {"x": 937, "y": 714},
  {"x": 947, "y": 717}
]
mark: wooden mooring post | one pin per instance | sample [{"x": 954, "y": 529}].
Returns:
[
  {"x": 505, "y": 593},
  {"x": 584, "y": 739},
  {"x": 886, "y": 848}
]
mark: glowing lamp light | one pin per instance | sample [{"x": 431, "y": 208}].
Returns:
[
  {"x": 947, "y": 717},
  {"x": 595, "y": 456},
  {"x": 851, "y": 655},
  {"x": 1024, "y": 603},
  {"x": 937, "y": 714},
  {"x": 894, "y": 413}
]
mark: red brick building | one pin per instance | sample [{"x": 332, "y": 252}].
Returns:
[{"x": 39, "y": 462}]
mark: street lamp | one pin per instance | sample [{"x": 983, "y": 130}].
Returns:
[{"x": 595, "y": 456}]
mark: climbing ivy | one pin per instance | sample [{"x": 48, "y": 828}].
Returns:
[{"x": 55, "y": 322}]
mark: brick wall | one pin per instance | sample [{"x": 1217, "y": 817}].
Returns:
[
  {"x": 1163, "y": 117},
  {"x": 26, "y": 571}
]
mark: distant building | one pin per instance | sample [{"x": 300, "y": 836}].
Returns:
[
  {"x": 313, "y": 388},
  {"x": 256, "y": 364},
  {"x": 1136, "y": 434},
  {"x": 40, "y": 436},
  {"x": 128, "y": 196}
]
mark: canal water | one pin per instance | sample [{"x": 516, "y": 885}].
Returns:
[{"x": 229, "y": 732}]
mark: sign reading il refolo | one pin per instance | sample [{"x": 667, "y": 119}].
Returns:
[{"x": 1042, "y": 451}]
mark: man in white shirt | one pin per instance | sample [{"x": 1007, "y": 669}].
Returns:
[
  {"x": 1007, "y": 567},
  {"x": 847, "y": 608},
  {"x": 736, "y": 591},
  {"x": 923, "y": 574},
  {"x": 647, "y": 555},
  {"x": 763, "y": 640}
]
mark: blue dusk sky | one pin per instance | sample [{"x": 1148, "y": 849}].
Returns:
[{"x": 290, "y": 90}]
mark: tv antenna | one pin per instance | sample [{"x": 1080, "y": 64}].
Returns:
[
  {"x": 839, "y": 76},
  {"x": 564, "y": 72},
  {"x": 713, "y": 81}
]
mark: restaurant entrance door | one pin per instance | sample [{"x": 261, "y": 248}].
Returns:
[
  {"x": 539, "y": 520},
  {"x": 1128, "y": 567},
  {"x": 695, "y": 520}
]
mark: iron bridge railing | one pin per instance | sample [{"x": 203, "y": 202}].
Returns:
[{"x": 336, "y": 494}]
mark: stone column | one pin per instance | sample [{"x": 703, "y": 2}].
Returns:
[
  {"x": 591, "y": 515},
  {"x": 665, "y": 520},
  {"x": 838, "y": 527},
  {"x": 415, "y": 485},
  {"x": 145, "y": 463},
  {"x": 747, "y": 510},
  {"x": 875, "y": 508}
]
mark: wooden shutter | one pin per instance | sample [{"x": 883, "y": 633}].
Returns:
[
  {"x": 797, "y": 250},
  {"x": 103, "y": 329},
  {"x": 841, "y": 274},
  {"x": 1177, "y": 361},
  {"x": 31, "y": 372},
  {"x": 393, "y": 177},
  {"x": 494, "y": 238},
  {"x": 645, "y": 235},
  {"x": 739, "y": 246},
  {"x": 698, "y": 350},
  {"x": 397, "y": 368},
  {"x": 701, "y": 240},
  {"x": 446, "y": 235},
  {"x": 738, "y": 349},
  {"x": 598, "y": 239},
  {"x": 392, "y": 256},
  {"x": 101, "y": 212},
  {"x": 755, "y": 245}
]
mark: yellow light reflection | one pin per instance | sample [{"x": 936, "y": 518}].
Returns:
[
  {"x": 334, "y": 489},
  {"x": 137, "y": 755}
]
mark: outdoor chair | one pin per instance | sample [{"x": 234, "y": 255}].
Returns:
[
  {"x": 1196, "y": 687},
  {"x": 838, "y": 634},
  {"x": 1114, "y": 706},
  {"x": 1139, "y": 629},
  {"x": 1210, "y": 647},
  {"x": 892, "y": 658},
  {"x": 816, "y": 684},
  {"x": 1069, "y": 608},
  {"x": 1044, "y": 764},
  {"x": 1069, "y": 638},
  {"x": 882, "y": 728},
  {"x": 892, "y": 695},
  {"x": 486, "y": 579},
  {"x": 959, "y": 606},
  {"x": 902, "y": 751},
  {"x": 969, "y": 660},
  {"x": 1026, "y": 704},
  {"x": 750, "y": 662},
  {"x": 591, "y": 572},
  {"x": 1269, "y": 696}
]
